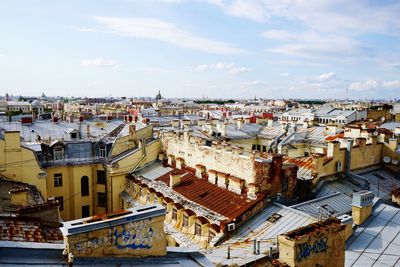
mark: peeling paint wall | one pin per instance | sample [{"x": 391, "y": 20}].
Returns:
[{"x": 138, "y": 238}]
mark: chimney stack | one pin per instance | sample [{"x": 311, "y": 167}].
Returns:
[{"x": 174, "y": 178}]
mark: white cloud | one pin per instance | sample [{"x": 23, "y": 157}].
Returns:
[
  {"x": 254, "y": 83},
  {"x": 325, "y": 77},
  {"x": 284, "y": 74},
  {"x": 278, "y": 35},
  {"x": 315, "y": 45},
  {"x": 99, "y": 62},
  {"x": 252, "y": 10},
  {"x": 171, "y": 1},
  {"x": 228, "y": 67},
  {"x": 330, "y": 29},
  {"x": 375, "y": 84},
  {"x": 160, "y": 30}
]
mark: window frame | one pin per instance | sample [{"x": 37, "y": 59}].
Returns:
[
  {"x": 174, "y": 213},
  {"x": 58, "y": 181},
  {"x": 85, "y": 191},
  {"x": 103, "y": 197},
  {"x": 198, "y": 229}
]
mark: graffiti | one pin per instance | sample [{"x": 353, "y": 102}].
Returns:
[
  {"x": 304, "y": 250},
  {"x": 134, "y": 235}
]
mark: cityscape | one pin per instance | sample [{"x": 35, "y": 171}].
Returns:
[{"x": 199, "y": 133}]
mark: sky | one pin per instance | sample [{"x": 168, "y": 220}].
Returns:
[{"x": 201, "y": 48}]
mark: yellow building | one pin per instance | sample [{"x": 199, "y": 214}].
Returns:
[{"x": 84, "y": 170}]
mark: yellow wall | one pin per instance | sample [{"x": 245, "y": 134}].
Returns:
[
  {"x": 117, "y": 173},
  {"x": 20, "y": 164},
  {"x": 147, "y": 239},
  {"x": 71, "y": 189},
  {"x": 360, "y": 214},
  {"x": 322, "y": 247}
]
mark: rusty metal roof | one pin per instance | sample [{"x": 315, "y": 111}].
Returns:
[
  {"x": 210, "y": 196},
  {"x": 307, "y": 168},
  {"x": 28, "y": 230}
]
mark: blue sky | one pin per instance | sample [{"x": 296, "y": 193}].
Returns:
[{"x": 200, "y": 48}]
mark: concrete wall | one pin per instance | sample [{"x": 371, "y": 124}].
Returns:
[{"x": 142, "y": 238}]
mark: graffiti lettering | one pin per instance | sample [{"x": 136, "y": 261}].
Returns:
[
  {"x": 133, "y": 235},
  {"x": 303, "y": 251},
  {"x": 139, "y": 235}
]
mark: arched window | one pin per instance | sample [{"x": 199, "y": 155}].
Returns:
[{"x": 84, "y": 186}]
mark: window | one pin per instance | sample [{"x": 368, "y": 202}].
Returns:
[
  {"x": 57, "y": 179},
  {"x": 274, "y": 217},
  {"x": 101, "y": 200},
  {"x": 73, "y": 135},
  {"x": 174, "y": 214},
  {"x": 103, "y": 152},
  {"x": 253, "y": 147},
  {"x": 58, "y": 153},
  {"x": 197, "y": 228},
  {"x": 61, "y": 202},
  {"x": 84, "y": 186},
  {"x": 101, "y": 177},
  {"x": 185, "y": 222},
  {"x": 85, "y": 211}
]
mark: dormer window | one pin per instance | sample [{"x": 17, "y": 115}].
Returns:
[
  {"x": 58, "y": 153},
  {"x": 73, "y": 135},
  {"x": 102, "y": 151}
]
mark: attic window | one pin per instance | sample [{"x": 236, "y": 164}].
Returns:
[
  {"x": 73, "y": 135},
  {"x": 274, "y": 217}
]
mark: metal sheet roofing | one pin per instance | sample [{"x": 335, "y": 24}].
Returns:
[
  {"x": 261, "y": 228},
  {"x": 377, "y": 241},
  {"x": 336, "y": 204}
]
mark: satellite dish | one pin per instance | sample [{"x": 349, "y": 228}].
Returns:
[
  {"x": 387, "y": 159},
  {"x": 375, "y": 133},
  {"x": 395, "y": 162}
]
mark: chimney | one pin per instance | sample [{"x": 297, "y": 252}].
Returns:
[
  {"x": 132, "y": 130},
  {"x": 239, "y": 123},
  {"x": 348, "y": 156},
  {"x": 223, "y": 129},
  {"x": 393, "y": 144},
  {"x": 88, "y": 130},
  {"x": 174, "y": 178},
  {"x": 175, "y": 123},
  {"x": 200, "y": 169},
  {"x": 333, "y": 149},
  {"x": 361, "y": 206}
]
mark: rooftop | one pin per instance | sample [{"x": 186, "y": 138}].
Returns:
[{"x": 377, "y": 241}]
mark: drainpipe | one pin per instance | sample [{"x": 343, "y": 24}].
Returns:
[{"x": 348, "y": 156}]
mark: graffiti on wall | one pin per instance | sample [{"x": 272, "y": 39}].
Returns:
[
  {"x": 133, "y": 235},
  {"x": 305, "y": 250}
]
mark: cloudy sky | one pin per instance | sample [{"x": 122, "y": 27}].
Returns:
[{"x": 200, "y": 48}]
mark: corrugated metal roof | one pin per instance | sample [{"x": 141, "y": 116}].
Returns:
[
  {"x": 153, "y": 171},
  {"x": 377, "y": 241},
  {"x": 259, "y": 228},
  {"x": 337, "y": 204},
  {"x": 210, "y": 196}
]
